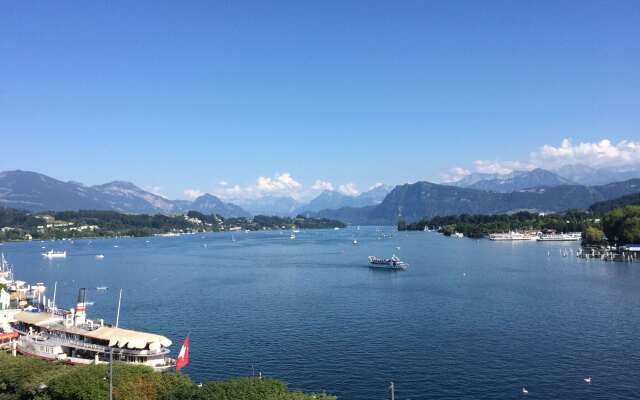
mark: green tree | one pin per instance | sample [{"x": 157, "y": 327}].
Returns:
[
  {"x": 622, "y": 225},
  {"x": 592, "y": 235}
]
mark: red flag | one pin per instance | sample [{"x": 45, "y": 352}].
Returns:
[{"x": 183, "y": 357}]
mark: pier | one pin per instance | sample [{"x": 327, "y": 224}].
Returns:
[{"x": 608, "y": 253}]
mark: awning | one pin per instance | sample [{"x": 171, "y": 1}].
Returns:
[
  {"x": 37, "y": 319},
  {"x": 125, "y": 337}
]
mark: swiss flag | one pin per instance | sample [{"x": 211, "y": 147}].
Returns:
[{"x": 183, "y": 357}]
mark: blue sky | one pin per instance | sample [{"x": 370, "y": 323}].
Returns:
[{"x": 185, "y": 95}]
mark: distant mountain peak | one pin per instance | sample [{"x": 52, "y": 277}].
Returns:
[
  {"x": 208, "y": 196},
  {"x": 333, "y": 199},
  {"x": 516, "y": 180},
  {"x": 587, "y": 175}
]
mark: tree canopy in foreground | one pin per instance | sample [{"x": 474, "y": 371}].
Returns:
[{"x": 27, "y": 378}]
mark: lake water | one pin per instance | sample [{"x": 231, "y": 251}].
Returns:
[{"x": 470, "y": 319}]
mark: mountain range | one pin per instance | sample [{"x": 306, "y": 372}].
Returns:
[
  {"x": 412, "y": 202},
  {"x": 331, "y": 199},
  {"x": 328, "y": 199},
  {"x": 619, "y": 202},
  {"x": 37, "y": 192},
  {"x": 575, "y": 174},
  {"x": 586, "y": 175},
  {"x": 514, "y": 181},
  {"x": 536, "y": 190}
]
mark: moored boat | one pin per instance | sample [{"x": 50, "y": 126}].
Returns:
[
  {"x": 68, "y": 336},
  {"x": 560, "y": 237},
  {"x": 513, "y": 236}
]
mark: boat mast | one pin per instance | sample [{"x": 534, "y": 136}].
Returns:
[
  {"x": 118, "y": 313},
  {"x": 53, "y": 305}
]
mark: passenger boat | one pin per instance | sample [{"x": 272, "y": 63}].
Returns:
[
  {"x": 55, "y": 254},
  {"x": 68, "y": 336},
  {"x": 560, "y": 237},
  {"x": 393, "y": 263},
  {"x": 513, "y": 236}
]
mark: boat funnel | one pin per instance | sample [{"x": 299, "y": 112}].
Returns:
[{"x": 81, "y": 313}]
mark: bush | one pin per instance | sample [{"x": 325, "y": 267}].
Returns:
[{"x": 26, "y": 378}]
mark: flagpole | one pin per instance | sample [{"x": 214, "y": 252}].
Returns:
[
  {"x": 53, "y": 305},
  {"x": 111, "y": 374},
  {"x": 118, "y": 313}
]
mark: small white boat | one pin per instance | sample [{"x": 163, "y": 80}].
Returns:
[
  {"x": 102, "y": 288},
  {"x": 293, "y": 236},
  {"x": 99, "y": 256},
  {"x": 588, "y": 380},
  {"x": 55, "y": 254},
  {"x": 336, "y": 229},
  {"x": 525, "y": 391},
  {"x": 355, "y": 241}
]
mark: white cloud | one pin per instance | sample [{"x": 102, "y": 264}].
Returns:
[
  {"x": 376, "y": 185},
  {"x": 348, "y": 189},
  {"x": 455, "y": 174},
  {"x": 281, "y": 183},
  {"x": 192, "y": 193},
  {"x": 501, "y": 167},
  {"x": 601, "y": 154},
  {"x": 322, "y": 185}
]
